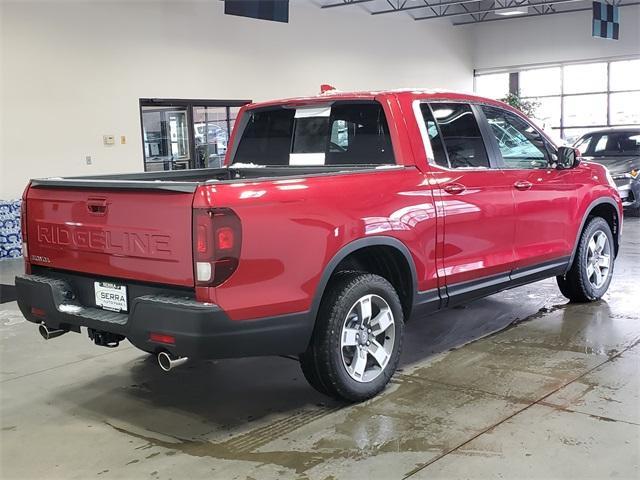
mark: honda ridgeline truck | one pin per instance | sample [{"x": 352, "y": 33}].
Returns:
[{"x": 334, "y": 220}]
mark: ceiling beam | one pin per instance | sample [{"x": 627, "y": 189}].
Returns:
[
  {"x": 539, "y": 14},
  {"x": 425, "y": 5},
  {"x": 493, "y": 9},
  {"x": 345, "y": 3}
]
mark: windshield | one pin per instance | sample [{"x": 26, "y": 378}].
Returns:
[
  {"x": 342, "y": 133},
  {"x": 612, "y": 144}
]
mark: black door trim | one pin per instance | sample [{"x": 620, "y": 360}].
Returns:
[{"x": 467, "y": 291}]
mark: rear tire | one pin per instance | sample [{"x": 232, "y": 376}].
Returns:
[
  {"x": 590, "y": 274},
  {"x": 357, "y": 340}
]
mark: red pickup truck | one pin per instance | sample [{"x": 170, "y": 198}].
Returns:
[{"x": 335, "y": 219}]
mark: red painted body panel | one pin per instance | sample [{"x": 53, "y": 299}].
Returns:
[
  {"x": 293, "y": 226},
  {"x": 143, "y": 236}
]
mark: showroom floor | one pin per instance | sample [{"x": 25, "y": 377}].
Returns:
[{"x": 556, "y": 395}]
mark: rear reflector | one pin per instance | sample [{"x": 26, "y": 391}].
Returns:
[
  {"x": 38, "y": 312},
  {"x": 162, "y": 338}
]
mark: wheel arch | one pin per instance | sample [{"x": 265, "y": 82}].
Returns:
[
  {"x": 405, "y": 279},
  {"x": 607, "y": 209}
]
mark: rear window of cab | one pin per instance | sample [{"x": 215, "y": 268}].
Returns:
[{"x": 340, "y": 133}]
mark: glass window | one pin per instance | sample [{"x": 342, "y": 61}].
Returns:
[
  {"x": 624, "y": 108},
  {"x": 618, "y": 144},
  {"x": 583, "y": 78},
  {"x": 266, "y": 138},
  {"x": 210, "y": 135},
  {"x": 583, "y": 143},
  {"x": 166, "y": 138},
  {"x": 573, "y": 134},
  {"x": 310, "y": 135},
  {"x": 461, "y": 135},
  {"x": 520, "y": 144},
  {"x": 625, "y": 75},
  {"x": 352, "y": 134},
  {"x": 492, "y": 86},
  {"x": 548, "y": 111},
  {"x": 363, "y": 135},
  {"x": 540, "y": 82},
  {"x": 439, "y": 155},
  {"x": 584, "y": 110},
  {"x": 184, "y": 134}
]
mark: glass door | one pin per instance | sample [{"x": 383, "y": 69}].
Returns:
[
  {"x": 165, "y": 132},
  {"x": 211, "y": 133}
]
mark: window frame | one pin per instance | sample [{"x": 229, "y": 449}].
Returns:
[
  {"x": 189, "y": 105},
  {"x": 551, "y": 149},
  {"x": 490, "y": 144},
  {"x": 398, "y": 159},
  {"x": 561, "y": 128}
]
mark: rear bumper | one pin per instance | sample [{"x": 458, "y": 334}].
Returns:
[{"x": 200, "y": 330}]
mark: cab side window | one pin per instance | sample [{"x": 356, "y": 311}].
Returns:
[
  {"x": 439, "y": 155},
  {"x": 461, "y": 135},
  {"x": 521, "y": 145}
]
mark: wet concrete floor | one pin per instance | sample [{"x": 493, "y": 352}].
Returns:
[{"x": 517, "y": 385}]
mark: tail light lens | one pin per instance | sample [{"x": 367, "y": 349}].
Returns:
[{"x": 217, "y": 237}]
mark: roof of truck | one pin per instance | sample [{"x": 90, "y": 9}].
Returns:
[{"x": 371, "y": 94}]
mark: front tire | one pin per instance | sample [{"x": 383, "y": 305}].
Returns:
[
  {"x": 357, "y": 341},
  {"x": 590, "y": 274}
]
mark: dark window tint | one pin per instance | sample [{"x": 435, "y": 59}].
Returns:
[
  {"x": 359, "y": 135},
  {"x": 266, "y": 139},
  {"x": 354, "y": 133},
  {"x": 310, "y": 135},
  {"x": 439, "y": 155},
  {"x": 520, "y": 144},
  {"x": 461, "y": 135},
  {"x": 612, "y": 144}
]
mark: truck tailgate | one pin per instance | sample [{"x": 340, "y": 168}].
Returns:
[{"x": 142, "y": 235}]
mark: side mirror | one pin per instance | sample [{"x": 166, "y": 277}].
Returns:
[{"x": 568, "y": 157}]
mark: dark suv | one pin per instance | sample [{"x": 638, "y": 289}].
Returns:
[{"x": 619, "y": 151}]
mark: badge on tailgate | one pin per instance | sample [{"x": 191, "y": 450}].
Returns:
[{"x": 111, "y": 296}]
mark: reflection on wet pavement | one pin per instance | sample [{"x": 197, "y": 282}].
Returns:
[{"x": 520, "y": 384}]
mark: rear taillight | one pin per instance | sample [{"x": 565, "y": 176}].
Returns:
[
  {"x": 217, "y": 238},
  {"x": 23, "y": 230}
]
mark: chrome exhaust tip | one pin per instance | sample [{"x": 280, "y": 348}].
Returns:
[
  {"x": 168, "y": 361},
  {"x": 49, "y": 333}
]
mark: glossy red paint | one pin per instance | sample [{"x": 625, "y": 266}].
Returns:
[
  {"x": 144, "y": 236},
  {"x": 293, "y": 226}
]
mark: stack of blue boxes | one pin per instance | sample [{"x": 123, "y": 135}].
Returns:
[{"x": 10, "y": 235}]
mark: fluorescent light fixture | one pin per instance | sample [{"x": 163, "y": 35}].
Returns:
[{"x": 512, "y": 11}]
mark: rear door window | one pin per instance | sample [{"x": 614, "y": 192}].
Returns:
[
  {"x": 461, "y": 135},
  {"x": 343, "y": 133},
  {"x": 435, "y": 138}
]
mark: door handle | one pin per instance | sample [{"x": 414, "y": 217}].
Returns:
[
  {"x": 522, "y": 185},
  {"x": 454, "y": 188}
]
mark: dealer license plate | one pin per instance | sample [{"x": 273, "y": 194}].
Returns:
[{"x": 111, "y": 296}]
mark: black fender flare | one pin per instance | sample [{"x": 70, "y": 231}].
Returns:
[
  {"x": 589, "y": 209},
  {"x": 351, "y": 247}
]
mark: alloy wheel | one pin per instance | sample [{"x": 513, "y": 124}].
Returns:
[{"x": 367, "y": 338}]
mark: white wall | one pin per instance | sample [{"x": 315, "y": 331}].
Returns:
[
  {"x": 553, "y": 38},
  {"x": 73, "y": 71}
]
